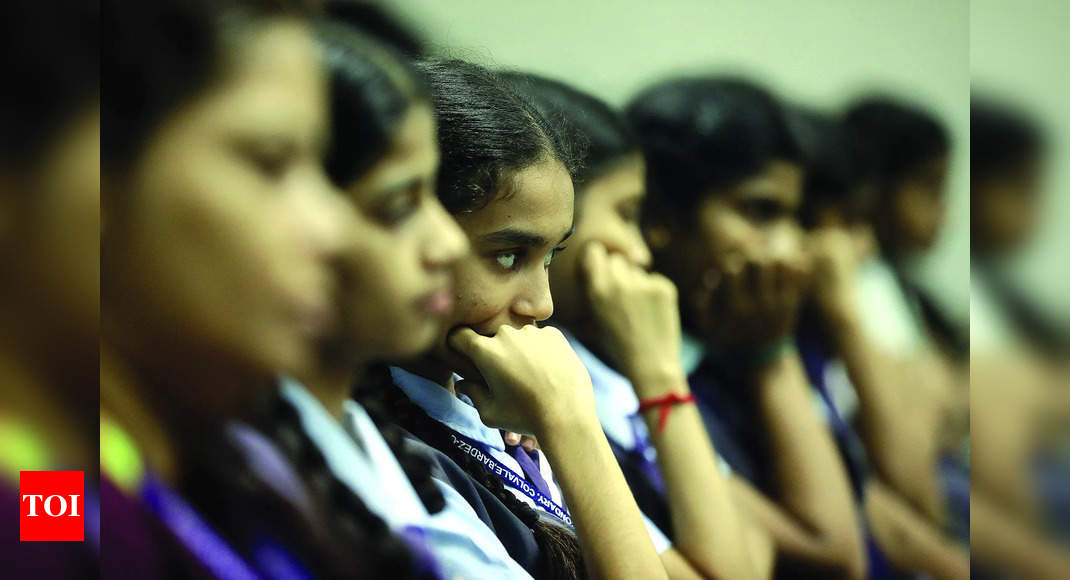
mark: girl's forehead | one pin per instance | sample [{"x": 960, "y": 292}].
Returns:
[{"x": 540, "y": 199}]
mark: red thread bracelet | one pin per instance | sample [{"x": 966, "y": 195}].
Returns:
[{"x": 666, "y": 402}]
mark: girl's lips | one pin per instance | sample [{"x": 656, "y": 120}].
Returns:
[{"x": 438, "y": 303}]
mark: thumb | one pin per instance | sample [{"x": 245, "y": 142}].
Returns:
[{"x": 511, "y": 437}]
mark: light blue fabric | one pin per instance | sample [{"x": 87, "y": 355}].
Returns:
[
  {"x": 463, "y": 545},
  {"x": 459, "y": 414},
  {"x": 615, "y": 400},
  {"x": 692, "y": 351}
]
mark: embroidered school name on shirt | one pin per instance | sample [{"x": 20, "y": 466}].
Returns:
[{"x": 511, "y": 477}]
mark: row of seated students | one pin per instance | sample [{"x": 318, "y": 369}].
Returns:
[{"x": 340, "y": 335}]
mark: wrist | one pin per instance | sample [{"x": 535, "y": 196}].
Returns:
[
  {"x": 656, "y": 375},
  {"x": 561, "y": 429},
  {"x": 656, "y": 382},
  {"x": 841, "y": 314},
  {"x": 772, "y": 353},
  {"x": 656, "y": 410},
  {"x": 757, "y": 356}
]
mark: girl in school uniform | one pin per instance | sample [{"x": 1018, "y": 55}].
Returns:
[
  {"x": 219, "y": 228},
  {"x": 505, "y": 178},
  {"x": 394, "y": 291},
  {"x": 623, "y": 322},
  {"x": 908, "y": 360},
  {"x": 846, "y": 371},
  {"x": 724, "y": 184}
]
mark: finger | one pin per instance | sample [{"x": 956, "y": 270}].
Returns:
[
  {"x": 468, "y": 342},
  {"x": 663, "y": 283},
  {"x": 594, "y": 265},
  {"x": 620, "y": 270}
]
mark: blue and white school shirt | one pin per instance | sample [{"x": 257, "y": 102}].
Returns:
[
  {"x": 360, "y": 458},
  {"x": 459, "y": 414}
]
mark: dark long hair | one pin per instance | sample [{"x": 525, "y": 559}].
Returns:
[
  {"x": 372, "y": 88},
  {"x": 833, "y": 176},
  {"x": 51, "y": 59},
  {"x": 602, "y": 136},
  {"x": 702, "y": 135},
  {"x": 486, "y": 132},
  {"x": 159, "y": 55},
  {"x": 893, "y": 139},
  {"x": 1001, "y": 138}
]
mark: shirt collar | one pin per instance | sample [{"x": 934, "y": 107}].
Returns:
[
  {"x": 340, "y": 451},
  {"x": 692, "y": 351},
  {"x": 615, "y": 400},
  {"x": 457, "y": 413}
]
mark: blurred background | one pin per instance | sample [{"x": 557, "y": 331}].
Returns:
[
  {"x": 824, "y": 54},
  {"x": 1018, "y": 55}
]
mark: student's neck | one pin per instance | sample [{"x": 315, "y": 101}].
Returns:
[
  {"x": 434, "y": 370},
  {"x": 119, "y": 402},
  {"x": 332, "y": 385}
]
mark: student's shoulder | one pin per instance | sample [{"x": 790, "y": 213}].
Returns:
[
  {"x": 513, "y": 533},
  {"x": 444, "y": 469}
]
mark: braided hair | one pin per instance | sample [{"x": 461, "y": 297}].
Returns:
[
  {"x": 329, "y": 529},
  {"x": 559, "y": 549}
]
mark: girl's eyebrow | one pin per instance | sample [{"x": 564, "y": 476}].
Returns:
[
  {"x": 514, "y": 237},
  {"x": 520, "y": 238}
]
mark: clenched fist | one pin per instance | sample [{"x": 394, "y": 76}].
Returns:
[
  {"x": 835, "y": 272},
  {"x": 533, "y": 379},
  {"x": 637, "y": 312}
]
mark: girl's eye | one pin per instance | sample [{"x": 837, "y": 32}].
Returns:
[
  {"x": 507, "y": 260},
  {"x": 270, "y": 166},
  {"x": 761, "y": 210},
  {"x": 399, "y": 208},
  {"x": 550, "y": 257},
  {"x": 398, "y": 205}
]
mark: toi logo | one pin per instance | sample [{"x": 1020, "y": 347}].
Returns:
[{"x": 52, "y": 506}]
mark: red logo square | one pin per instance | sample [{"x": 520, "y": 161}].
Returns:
[{"x": 52, "y": 506}]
